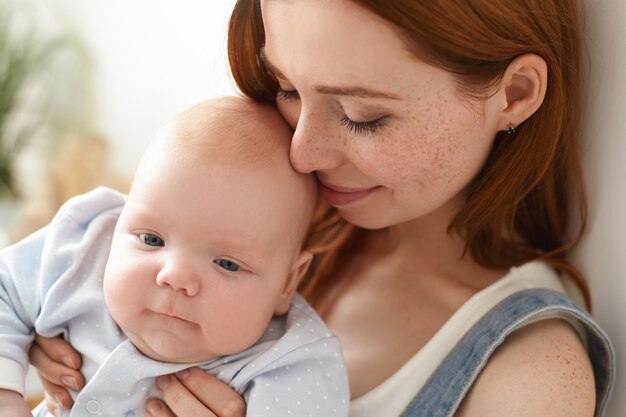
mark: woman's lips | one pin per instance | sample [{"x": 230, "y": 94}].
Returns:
[{"x": 339, "y": 196}]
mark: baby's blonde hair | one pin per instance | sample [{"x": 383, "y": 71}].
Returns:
[
  {"x": 235, "y": 131},
  {"x": 230, "y": 130}
]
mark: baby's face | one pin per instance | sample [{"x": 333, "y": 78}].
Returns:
[{"x": 204, "y": 254}]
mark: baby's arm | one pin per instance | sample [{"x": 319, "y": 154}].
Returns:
[
  {"x": 19, "y": 306},
  {"x": 13, "y": 405}
]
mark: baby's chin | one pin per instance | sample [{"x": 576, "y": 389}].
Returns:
[{"x": 164, "y": 347}]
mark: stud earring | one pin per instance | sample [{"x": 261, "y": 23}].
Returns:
[{"x": 510, "y": 129}]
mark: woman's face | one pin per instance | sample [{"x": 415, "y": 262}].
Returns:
[{"x": 388, "y": 135}]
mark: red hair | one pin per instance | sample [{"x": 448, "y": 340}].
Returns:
[{"x": 520, "y": 206}]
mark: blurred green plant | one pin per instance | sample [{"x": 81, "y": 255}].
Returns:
[{"x": 24, "y": 104}]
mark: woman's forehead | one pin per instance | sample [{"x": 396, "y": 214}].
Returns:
[{"x": 340, "y": 43}]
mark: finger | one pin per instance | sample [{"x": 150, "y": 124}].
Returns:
[
  {"x": 156, "y": 408},
  {"x": 51, "y": 405},
  {"x": 219, "y": 397},
  {"x": 56, "y": 395},
  {"x": 53, "y": 371},
  {"x": 180, "y": 400},
  {"x": 59, "y": 350}
]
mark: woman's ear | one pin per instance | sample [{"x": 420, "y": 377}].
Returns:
[
  {"x": 522, "y": 90},
  {"x": 299, "y": 268}
]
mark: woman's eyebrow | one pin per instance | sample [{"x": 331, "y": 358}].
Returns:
[{"x": 353, "y": 91}]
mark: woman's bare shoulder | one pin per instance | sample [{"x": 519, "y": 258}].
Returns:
[{"x": 541, "y": 370}]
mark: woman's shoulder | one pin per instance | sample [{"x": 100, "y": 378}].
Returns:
[{"x": 541, "y": 369}]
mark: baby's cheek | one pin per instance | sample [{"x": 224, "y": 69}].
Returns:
[
  {"x": 240, "y": 321},
  {"x": 119, "y": 296}
]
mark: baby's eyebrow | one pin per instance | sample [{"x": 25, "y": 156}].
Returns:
[{"x": 352, "y": 91}]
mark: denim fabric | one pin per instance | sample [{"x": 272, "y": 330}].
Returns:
[{"x": 443, "y": 392}]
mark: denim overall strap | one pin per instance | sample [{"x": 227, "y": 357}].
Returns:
[{"x": 445, "y": 389}]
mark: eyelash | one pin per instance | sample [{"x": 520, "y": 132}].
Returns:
[
  {"x": 225, "y": 263},
  {"x": 151, "y": 239},
  {"x": 361, "y": 128},
  {"x": 287, "y": 94}
]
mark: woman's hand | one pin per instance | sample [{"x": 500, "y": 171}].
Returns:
[
  {"x": 58, "y": 366},
  {"x": 193, "y": 392}
]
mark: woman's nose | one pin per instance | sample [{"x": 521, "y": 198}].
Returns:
[
  {"x": 179, "y": 276},
  {"x": 313, "y": 147}
]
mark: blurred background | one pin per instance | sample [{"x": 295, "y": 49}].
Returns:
[
  {"x": 87, "y": 84},
  {"x": 84, "y": 85}
]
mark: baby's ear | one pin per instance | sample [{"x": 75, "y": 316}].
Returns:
[{"x": 298, "y": 269}]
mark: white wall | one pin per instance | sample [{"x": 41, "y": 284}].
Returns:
[
  {"x": 602, "y": 254},
  {"x": 154, "y": 58}
]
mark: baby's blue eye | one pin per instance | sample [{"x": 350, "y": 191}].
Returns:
[
  {"x": 151, "y": 240},
  {"x": 228, "y": 265}
]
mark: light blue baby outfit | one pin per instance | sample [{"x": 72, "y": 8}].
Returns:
[{"x": 51, "y": 283}]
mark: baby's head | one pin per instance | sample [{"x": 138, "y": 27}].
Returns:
[{"x": 208, "y": 247}]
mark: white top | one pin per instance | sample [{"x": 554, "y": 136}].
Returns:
[{"x": 391, "y": 397}]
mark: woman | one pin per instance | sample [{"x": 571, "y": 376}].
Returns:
[{"x": 443, "y": 132}]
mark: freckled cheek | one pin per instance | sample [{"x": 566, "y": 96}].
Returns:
[
  {"x": 409, "y": 154},
  {"x": 434, "y": 150}
]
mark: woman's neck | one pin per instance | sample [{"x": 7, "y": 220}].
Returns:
[
  {"x": 421, "y": 253},
  {"x": 396, "y": 292},
  {"x": 425, "y": 242}
]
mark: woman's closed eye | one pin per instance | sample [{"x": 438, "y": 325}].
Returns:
[
  {"x": 151, "y": 239},
  {"x": 287, "y": 95},
  {"x": 368, "y": 127},
  {"x": 361, "y": 128},
  {"x": 227, "y": 265}
]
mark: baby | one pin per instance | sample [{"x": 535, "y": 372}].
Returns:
[{"x": 197, "y": 266}]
